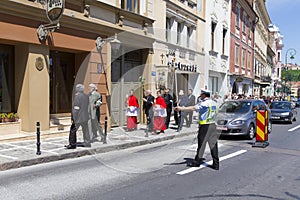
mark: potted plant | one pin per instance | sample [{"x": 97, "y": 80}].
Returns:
[
  {"x": 16, "y": 117},
  {"x": 4, "y": 117},
  {"x": 11, "y": 117}
]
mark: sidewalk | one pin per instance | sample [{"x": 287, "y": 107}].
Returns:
[{"x": 22, "y": 152}]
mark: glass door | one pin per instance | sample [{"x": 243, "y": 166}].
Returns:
[{"x": 62, "y": 76}]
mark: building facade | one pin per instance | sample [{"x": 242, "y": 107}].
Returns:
[
  {"x": 178, "y": 57},
  {"x": 217, "y": 46},
  {"x": 38, "y": 75},
  {"x": 263, "y": 53},
  {"x": 278, "y": 45},
  {"x": 243, "y": 21}
]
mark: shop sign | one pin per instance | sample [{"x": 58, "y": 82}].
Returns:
[
  {"x": 183, "y": 67},
  {"x": 55, "y": 9}
]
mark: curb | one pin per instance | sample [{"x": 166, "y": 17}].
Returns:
[{"x": 85, "y": 152}]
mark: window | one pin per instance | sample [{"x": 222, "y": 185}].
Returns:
[
  {"x": 179, "y": 29},
  {"x": 243, "y": 58},
  {"x": 168, "y": 29},
  {"x": 236, "y": 55},
  {"x": 213, "y": 84},
  {"x": 224, "y": 41},
  {"x": 237, "y": 16},
  {"x": 213, "y": 27},
  {"x": 244, "y": 23},
  {"x": 249, "y": 60},
  {"x": 189, "y": 35},
  {"x": 278, "y": 57},
  {"x": 130, "y": 5},
  {"x": 249, "y": 28}
]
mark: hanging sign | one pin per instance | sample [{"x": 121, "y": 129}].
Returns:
[{"x": 55, "y": 9}]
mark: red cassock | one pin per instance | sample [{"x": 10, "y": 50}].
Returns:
[
  {"x": 132, "y": 112},
  {"x": 160, "y": 114}
]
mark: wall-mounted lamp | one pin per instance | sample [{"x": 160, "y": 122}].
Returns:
[
  {"x": 114, "y": 42},
  {"x": 44, "y": 30}
]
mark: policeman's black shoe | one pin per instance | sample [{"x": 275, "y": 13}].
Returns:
[
  {"x": 215, "y": 167},
  {"x": 194, "y": 164},
  {"x": 70, "y": 146}
]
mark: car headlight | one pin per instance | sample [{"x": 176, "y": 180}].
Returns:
[
  {"x": 237, "y": 122},
  {"x": 285, "y": 114}
]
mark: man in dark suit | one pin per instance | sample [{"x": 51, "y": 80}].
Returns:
[
  {"x": 190, "y": 102},
  {"x": 80, "y": 117},
  {"x": 148, "y": 108},
  {"x": 169, "y": 102}
]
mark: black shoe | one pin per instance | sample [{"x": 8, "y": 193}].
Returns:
[
  {"x": 194, "y": 164},
  {"x": 70, "y": 146},
  {"x": 95, "y": 140},
  {"x": 215, "y": 167}
]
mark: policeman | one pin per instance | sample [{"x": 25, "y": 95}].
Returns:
[{"x": 207, "y": 130}]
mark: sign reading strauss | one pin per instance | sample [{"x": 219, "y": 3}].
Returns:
[{"x": 55, "y": 9}]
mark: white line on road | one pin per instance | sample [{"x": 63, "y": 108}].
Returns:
[
  {"x": 189, "y": 170},
  {"x": 4, "y": 156},
  {"x": 292, "y": 129}
]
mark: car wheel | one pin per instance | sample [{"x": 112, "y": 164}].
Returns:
[
  {"x": 269, "y": 127},
  {"x": 251, "y": 132}
]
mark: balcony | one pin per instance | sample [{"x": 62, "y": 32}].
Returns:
[{"x": 266, "y": 79}]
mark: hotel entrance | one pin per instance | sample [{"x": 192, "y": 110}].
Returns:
[{"x": 62, "y": 76}]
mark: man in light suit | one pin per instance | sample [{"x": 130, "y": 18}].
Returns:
[
  {"x": 95, "y": 102},
  {"x": 190, "y": 102}
]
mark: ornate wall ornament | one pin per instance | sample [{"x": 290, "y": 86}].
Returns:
[{"x": 39, "y": 63}]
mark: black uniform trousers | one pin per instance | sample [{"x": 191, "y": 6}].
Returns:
[
  {"x": 207, "y": 133},
  {"x": 169, "y": 111}
]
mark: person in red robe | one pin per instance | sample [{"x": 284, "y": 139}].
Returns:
[
  {"x": 132, "y": 111},
  {"x": 160, "y": 113}
]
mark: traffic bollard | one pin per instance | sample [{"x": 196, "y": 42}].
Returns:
[
  {"x": 147, "y": 127},
  {"x": 38, "y": 139},
  {"x": 105, "y": 131}
]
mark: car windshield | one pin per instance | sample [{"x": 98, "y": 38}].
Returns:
[
  {"x": 280, "y": 105},
  {"x": 235, "y": 107}
]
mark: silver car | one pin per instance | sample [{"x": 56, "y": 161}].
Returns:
[{"x": 238, "y": 117}]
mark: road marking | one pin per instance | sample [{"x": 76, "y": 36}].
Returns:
[
  {"x": 292, "y": 129},
  {"x": 189, "y": 170},
  {"x": 14, "y": 158}
]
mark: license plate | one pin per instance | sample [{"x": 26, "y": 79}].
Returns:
[
  {"x": 222, "y": 128},
  {"x": 274, "y": 117}
]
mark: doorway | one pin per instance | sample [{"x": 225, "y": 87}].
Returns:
[
  {"x": 62, "y": 76},
  {"x": 7, "y": 78}
]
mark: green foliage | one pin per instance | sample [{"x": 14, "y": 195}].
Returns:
[
  {"x": 3, "y": 115},
  {"x": 290, "y": 75}
]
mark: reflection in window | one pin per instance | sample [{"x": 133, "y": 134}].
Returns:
[{"x": 130, "y": 5}]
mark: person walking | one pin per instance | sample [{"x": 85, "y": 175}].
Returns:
[
  {"x": 95, "y": 101},
  {"x": 132, "y": 111},
  {"x": 80, "y": 117},
  {"x": 169, "y": 103},
  {"x": 160, "y": 113},
  {"x": 148, "y": 109},
  {"x": 182, "y": 100},
  {"x": 207, "y": 129},
  {"x": 190, "y": 102}
]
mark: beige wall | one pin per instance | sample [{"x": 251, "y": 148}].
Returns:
[{"x": 32, "y": 86}]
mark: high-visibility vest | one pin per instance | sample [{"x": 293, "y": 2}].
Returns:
[{"x": 207, "y": 112}]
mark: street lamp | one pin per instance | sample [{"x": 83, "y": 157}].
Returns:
[
  {"x": 114, "y": 42},
  {"x": 292, "y": 55}
]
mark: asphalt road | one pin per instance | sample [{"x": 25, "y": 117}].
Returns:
[{"x": 159, "y": 171}]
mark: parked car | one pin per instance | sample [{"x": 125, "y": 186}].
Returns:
[
  {"x": 298, "y": 103},
  {"x": 283, "y": 111},
  {"x": 238, "y": 117}
]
